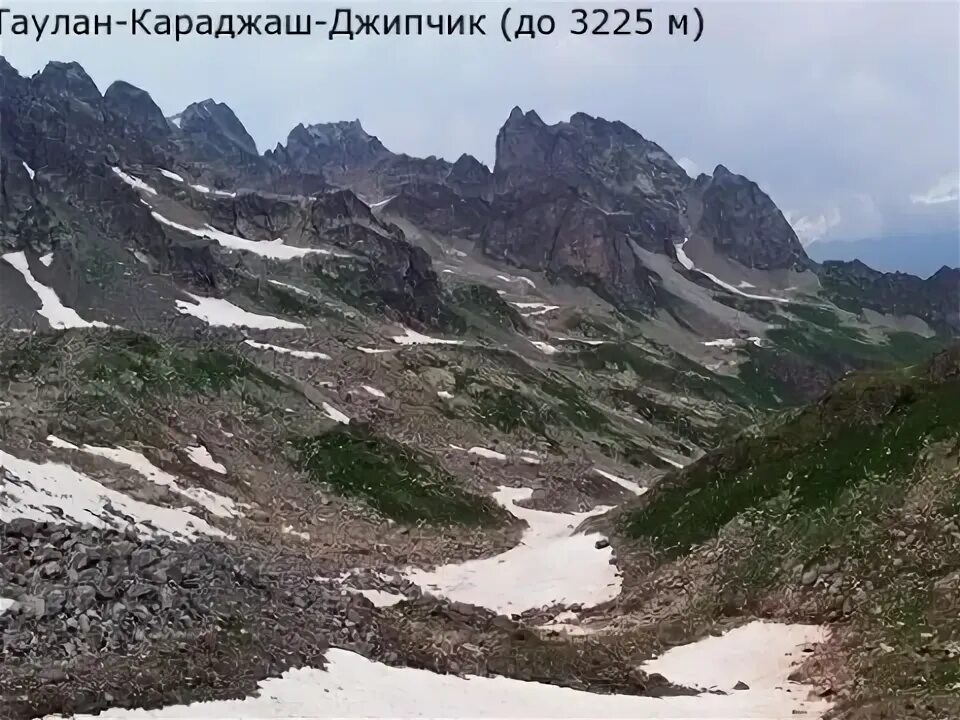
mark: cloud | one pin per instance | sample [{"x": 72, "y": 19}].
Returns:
[
  {"x": 689, "y": 166},
  {"x": 945, "y": 190},
  {"x": 810, "y": 229}
]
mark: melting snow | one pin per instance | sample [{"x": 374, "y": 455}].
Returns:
[
  {"x": 585, "y": 341},
  {"x": 57, "y": 314},
  {"x": 670, "y": 461},
  {"x": 372, "y": 351},
  {"x": 335, "y": 414},
  {"x": 759, "y": 654},
  {"x": 53, "y": 492},
  {"x": 412, "y": 337},
  {"x": 535, "y": 308},
  {"x": 687, "y": 263},
  {"x": 46, "y": 260},
  {"x": 217, "y": 504},
  {"x": 622, "y": 482},
  {"x": 445, "y": 395},
  {"x": 29, "y": 170},
  {"x": 353, "y": 686},
  {"x": 305, "y": 354},
  {"x": 519, "y": 278},
  {"x": 275, "y": 249},
  {"x": 382, "y": 202},
  {"x": 171, "y": 175},
  {"x": 546, "y": 348},
  {"x": 723, "y": 342},
  {"x": 489, "y": 454},
  {"x": 373, "y": 391},
  {"x": 382, "y": 598},
  {"x": 288, "y": 530},
  {"x": 214, "y": 311},
  {"x": 135, "y": 183},
  {"x": 552, "y": 564},
  {"x": 202, "y": 457},
  {"x": 294, "y": 288}
]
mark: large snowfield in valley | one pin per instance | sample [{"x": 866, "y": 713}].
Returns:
[{"x": 354, "y": 687}]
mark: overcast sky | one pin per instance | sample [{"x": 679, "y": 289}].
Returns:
[{"x": 847, "y": 114}]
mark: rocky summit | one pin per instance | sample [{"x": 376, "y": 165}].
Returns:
[{"x": 340, "y": 427}]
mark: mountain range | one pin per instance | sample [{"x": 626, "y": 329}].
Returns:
[{"x": 332, "y": 406}]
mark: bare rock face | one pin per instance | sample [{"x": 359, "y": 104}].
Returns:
[
  {"x": 135, "y": 111},
  {"x": 742, "y": 222},
  {"x": 559, "y": 232},
  {"x": 215, "y": 132},
  {"x": 329, "y": 146},
  {"x": 470, "y": 178}
]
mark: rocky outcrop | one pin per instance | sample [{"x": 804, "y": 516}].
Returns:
[
  {"x": 854, "y": 286},
  {"x": 742, "y": 222}
]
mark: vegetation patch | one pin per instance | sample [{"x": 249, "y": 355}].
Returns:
[
  {"x": 868, "y": 427},
  {"x": 395, "y": 480}
]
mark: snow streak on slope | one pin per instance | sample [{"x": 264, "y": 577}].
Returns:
[
  {"x": 52, "y": 492},
  {"x": 687, "y": 263},
  {"x": 57, "y": 314},
  {"x": 335, "y": 414},
  {"x": 411, "y": 337},
  {"x": 199, "y": 455},
  {"x": 622, "y": 482},
  {"x": 135, "y": 183},
  {"x": 171, "y": 175},
  {"x": 276, "y": 250},
  {"x": 354, "y": 687},
  {"x": 551, "y": 565},
  {"x": 218, "y": 505},
  {"x": 305, "y": 354},
  {"x": 29, "y": 170},
  {"x": 214, "y": 311}
]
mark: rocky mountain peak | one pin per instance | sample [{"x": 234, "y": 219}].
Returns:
[
  {"x": 470, "y": 178},
  {"x": 742, "y": 222},
  {"x": 136, "y": 107},
  {"x": 336, "y": 146},
  {"x": 68, "y": 78},
  {"x": 216, "y": 131}
]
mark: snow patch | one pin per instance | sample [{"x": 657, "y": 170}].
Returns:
[
  {"x": 335, "y": 414},
  {"x": 552, "y": 564},
  {"x": 305, "y": 354},
  {"x": 622, "y": 482},
  {"x": 275, "y": 249},
  {"x": 217, "y": 504},
  {"x": 53, "y": 492},
  {"x": 723, "y": 342},
  {"x": 517, "y": 279},
  {"x": 171, "y": 175},
  {"x": 444, "y": 395},
  {"x": 545, "y": 348},
  {"x": 760, "y": 654},
  {"x": 374, "y": 391},
  {"x": 412, "y": 337},
  {"x": 353, "y": 686},
  {"x": 223, "y": 313},
  {"x": 57, "y": 314},
  {"x": 199, "y": 455},
  {"x": 46, "y": 260},
  {"x": 29, "y": 170},
  {"x": 135, "y": 183},
  {"x": 381, "y": 203},
  {"x": 670, "y": 461},
  {"x": 294, "y": 288},
  {"x": 372, "y": 351},
  {"x": 485, "y": 453},
  {"x": 288, "y": 530}
]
